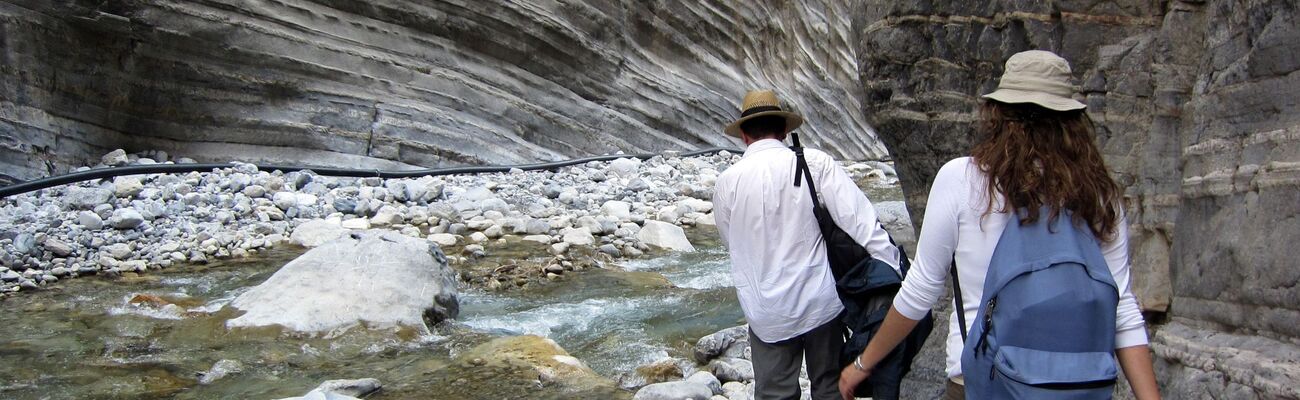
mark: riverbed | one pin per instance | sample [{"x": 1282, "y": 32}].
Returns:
[{"x": 117, "y": 337}]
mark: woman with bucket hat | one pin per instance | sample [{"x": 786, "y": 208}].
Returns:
[{"x": 1035, "y": 178}]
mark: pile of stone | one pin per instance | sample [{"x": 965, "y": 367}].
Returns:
[
  {"x": 622, "y": 208},
  {"x": 723, "y": 371}
]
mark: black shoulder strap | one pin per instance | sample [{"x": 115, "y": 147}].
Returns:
[
  {"x": 801, "y": 170},
  {"x": 956, "y": 297}
]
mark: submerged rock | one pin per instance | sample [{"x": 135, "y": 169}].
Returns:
[
  {"x": 220, "y": 370},
  {"x": 380, "y": 278},
  {"x": 341, "y": 389},
  {"x": 551, "y": 363}
]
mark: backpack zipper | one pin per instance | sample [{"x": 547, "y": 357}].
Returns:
[{"x": 982, "y": 345}]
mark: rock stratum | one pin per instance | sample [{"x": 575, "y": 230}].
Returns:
[
  {"x": 400, "y": 84},
  {"x": 1198, "y": 115}
]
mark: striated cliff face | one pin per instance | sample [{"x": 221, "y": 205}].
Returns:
[
  {"x": 405, "y": 83},
  {"x": 1198, "y": 109}
]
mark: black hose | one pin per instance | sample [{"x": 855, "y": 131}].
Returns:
[{"x": 102, "y": 173}]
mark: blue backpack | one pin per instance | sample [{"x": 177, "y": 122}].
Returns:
[{"x": 1046, "y": 324}]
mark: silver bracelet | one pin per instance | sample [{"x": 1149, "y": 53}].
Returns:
[{"x": 857, "y": 363}]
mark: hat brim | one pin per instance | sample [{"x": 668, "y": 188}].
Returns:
[
  {"x": 792, "y": 122},
  {"x": 1048, "y": 101}
]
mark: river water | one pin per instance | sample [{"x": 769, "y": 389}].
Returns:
[
  {"x": 118, "y": 337},
  {"x": 99, "y": 337}
]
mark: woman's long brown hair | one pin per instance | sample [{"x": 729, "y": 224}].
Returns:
[{"x": 1035, "y": 157}]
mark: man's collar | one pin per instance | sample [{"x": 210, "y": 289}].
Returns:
[{"x": 765, "y": 144}]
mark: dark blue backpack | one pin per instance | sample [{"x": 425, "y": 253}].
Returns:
[{"x": 1046, "y": 324}]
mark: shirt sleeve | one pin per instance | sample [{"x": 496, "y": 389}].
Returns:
[
  {"x": 1130, "y": 327},
  {"x": 935, "y": 246},
  {"x": 852, "y": 211},
  {"x": 721, "y": 211}
]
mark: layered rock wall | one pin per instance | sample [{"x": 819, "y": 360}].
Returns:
[
  {"x": 404, "y": 83},
  {"x": 1197, "y": 106}
]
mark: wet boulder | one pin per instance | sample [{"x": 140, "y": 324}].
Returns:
[
  {"x": 341, "y": 389},
  {"x": 731, "y": 343},
  {"x": 545, "y": 360},
  {"x": 678, "y": 390},
  {"x": 664, "y": 235},
  {"x": 377, "y": 278}
]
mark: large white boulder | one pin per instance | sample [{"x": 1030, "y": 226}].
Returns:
[
  {"x": 317, "y": 232},
  {"x": 665, "y": 235},
  {"x": 380, "y": 278}
]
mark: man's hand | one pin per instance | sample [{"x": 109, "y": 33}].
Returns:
[{"x": 850, "y": 378}]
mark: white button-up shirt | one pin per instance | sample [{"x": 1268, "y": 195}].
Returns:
[{"x": 778, "y": 255}]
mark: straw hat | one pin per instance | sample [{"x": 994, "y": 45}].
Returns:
[
  {"x": 1039, "y": 77},
  {"x": 760, "y": 103}
]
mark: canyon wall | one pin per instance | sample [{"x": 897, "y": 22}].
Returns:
[
  {"x": 1197, "y": 106},
  {"x": 399, "y": 84}
]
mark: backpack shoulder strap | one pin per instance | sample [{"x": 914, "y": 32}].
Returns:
[
  {"x": 801, "y": 170},
  {"x": 956, "y": 297}
]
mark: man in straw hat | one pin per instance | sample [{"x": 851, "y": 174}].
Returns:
[{"x": 778, "y": 256}]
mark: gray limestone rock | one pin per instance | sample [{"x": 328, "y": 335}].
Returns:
[
  {"x": 317, "y": 232},
  {"x": 25, "y": 243},
  {"x": 114, "y": 158},
  {"x": 578, "y": 236},
  {"x": 80, "y": 198},
  {"x": 679, "y": 390},
  {"x": 408, "y": 283},
  {"x": 731, "y": 369},
  {"x": 126, "y": 218},
  {"x": 664, "y": 235},
  {"x": 127, "y": 186},
  {"x": 611, "y": 250},
  {"x": 730, "y": 343},
  {"x": 708, "y": 380}
]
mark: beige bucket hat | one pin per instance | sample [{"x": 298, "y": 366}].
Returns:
[
  {"x": 758, "y": 103},
  {"x": 1039, "y": 77}
]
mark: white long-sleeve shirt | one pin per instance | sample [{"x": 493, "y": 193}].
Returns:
[
  {"x": 778, "y": 255},
  {"x": 955, "y": 223}
]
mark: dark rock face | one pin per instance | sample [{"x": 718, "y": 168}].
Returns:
[
  {"x": 1198, "y": 113},
  {"x": 403, "y": 83}
]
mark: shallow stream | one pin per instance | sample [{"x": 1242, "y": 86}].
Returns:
[
  {"x": 159, "y": 335},
  {"x": 99, "y": 337}
]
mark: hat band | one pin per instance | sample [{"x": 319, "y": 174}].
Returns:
[
  {"x": 759, "y": 109},
  {"x": 1034, "y": 84}
]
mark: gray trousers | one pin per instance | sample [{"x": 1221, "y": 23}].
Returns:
[{"x": 777, "y": 365}]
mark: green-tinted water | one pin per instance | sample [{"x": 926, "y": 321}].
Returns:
[
  {"x": 96, "y": 337},
  {"x": 87, "y": 338}
]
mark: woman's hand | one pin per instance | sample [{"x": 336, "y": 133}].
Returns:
[
  {"x": 892, "y": 331},
  {"x": 850, "y": 378}
]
